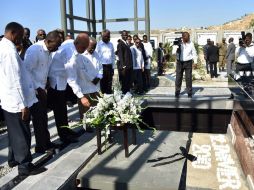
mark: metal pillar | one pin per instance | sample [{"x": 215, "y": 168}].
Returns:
[
  {"x": 136, "y": 16},
  {"x": 63, "y": 16},
  {"x": 88, "y": 14},
  {"x": 71, "y": 18},
  {"x": 93, "y": 18},
  {"x": 147, "y": 18},
  {"x": 103, "y": 9}
]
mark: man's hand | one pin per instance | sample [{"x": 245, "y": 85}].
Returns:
[
  {"x": 95, "y": 80},
  {"x": 41, "y": 94},
  {"x": 25, "y": 114},
  {"x": 85, "y": 102}
]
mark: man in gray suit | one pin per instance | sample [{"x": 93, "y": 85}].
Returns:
[{"x": 230, "y": 55}]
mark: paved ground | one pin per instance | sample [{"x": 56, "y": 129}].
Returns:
[
  {"x": 112, "y": 166},
  {"x": 160, "y": 162}
]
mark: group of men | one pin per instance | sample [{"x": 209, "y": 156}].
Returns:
[
  {"x": 228, "y": 54},
  {"x": 36, "y": 77},
  {"x": 134, "y": 63}
]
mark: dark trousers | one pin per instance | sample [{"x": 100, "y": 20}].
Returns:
[
  {"x": 213, "y": 69},
  {"x": 40, "y": 123},
  {"x": 138, "y": 80},
  {"x": 146, "y": 79},
  {"x": 69, "y": 95},
  {"x": 92, "y": 97},
  {"x": 160, "y": 67},
  {"x": 183, "y": 66},
  {"x": 57, "y": 99},
  {"x": 243, "y": 67},
  {"x": 19, "y": 136},
  {"x": 106, "y": 81},
  {"x": 207, "y": 66},
  {"x": 125, "y": 78},
  {"x": 1, "y": 114}
]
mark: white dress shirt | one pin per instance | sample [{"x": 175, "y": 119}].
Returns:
[
  {"x": 37, "y": 61},
  {"x": 149, "y": 53},
  {"x": 57, "y": 72},
  {"x": 245, "y": 55},
  {"x": 188, "y": 52},
  {"x": 15, "y": 90},
  {"x": 106, "y": 52},
  {"x": 82, "y": 69},
  {"x": 137, "y": 58}
]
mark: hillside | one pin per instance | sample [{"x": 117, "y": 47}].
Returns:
[{"x": 239, "y": 24}]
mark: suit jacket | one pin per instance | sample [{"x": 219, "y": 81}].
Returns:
[
  {"x": 230, "y": 55},
  {"x": 124, "y": 56},
  {"x": 160, "y": 55},
  {"x": 213, "y": 54}
]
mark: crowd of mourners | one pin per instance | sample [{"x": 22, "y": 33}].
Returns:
[{"x": 55, "y": 71}]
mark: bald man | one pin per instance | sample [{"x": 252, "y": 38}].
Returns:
[
  {"x": 105, "y": 50},
  {"x": 61, "y": 71}
]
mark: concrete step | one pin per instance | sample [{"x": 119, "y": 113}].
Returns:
[
  {"x": 63, "y": 168},
  {"x": 71, "y": 158}
]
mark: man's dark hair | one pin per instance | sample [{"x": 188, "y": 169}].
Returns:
[
  {"x": 13, "y": 27},
  {"x": 124, "y": 31},
  {"x": 105, "y": 31},
  {"x": 27, "y": 29},
  {"x": 135, "y": 36},
  {"x": 52, "y": 35},
  {"x": 248, "y": 35},
  {"x": 145, "y": 36}
]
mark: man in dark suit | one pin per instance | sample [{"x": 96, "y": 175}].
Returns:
[
  {"x": 205, "y": 54},
  {"x": 213, "y": 58},
  {"x": 160, "y": 55},
  {"x": 124, "y": 64},
  {"x": 230, "y": 55}
]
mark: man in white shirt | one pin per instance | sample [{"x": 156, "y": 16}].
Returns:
[
  {"x": 38, "y": 58},
  {"x": 149, "y": 54},
  {"x": 138, "y": 66},
  {"x": 16, "y": 96},
  {"x": 58, "y": 83},
  {"x": 105, "y": 50},
  {"x": 245, "y": 55},
  {"x": 185, "y": 55},
  {"x": 89, "y": 74}
]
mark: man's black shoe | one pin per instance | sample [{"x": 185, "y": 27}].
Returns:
[
  {"x": 31, "y": 170},
  {"x": 41, "y": 150},
  {"x": 189, "y": 95},
  {"x": 12, "y": 164},
  {"x": 177, "y": 95},
  {"x": 67, "y": 131},
  {"x": 69, "y": 139}
]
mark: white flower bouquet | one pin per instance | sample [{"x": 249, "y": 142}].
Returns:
[{"x": 115, "y": 110}]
